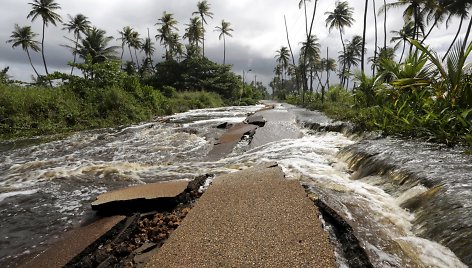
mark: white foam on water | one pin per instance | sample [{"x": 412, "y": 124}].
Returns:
[{"x": 6, "y": 195}]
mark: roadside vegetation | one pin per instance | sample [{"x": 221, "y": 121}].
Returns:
[
  {"x": 416, "y": 93},
  {"x": 104, "y": 90}
]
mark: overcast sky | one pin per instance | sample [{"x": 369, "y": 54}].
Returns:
[{"x": 258, "y": 30}]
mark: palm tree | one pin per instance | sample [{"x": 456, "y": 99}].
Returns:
[
  {"x": 203, "y": 11},
  {"x": 300, "y": 4},
  {"x": 352, "y": 56},
  {"x": 25, "y": 37},
  {"x": 224, "y": 30},
  {"x": 127, "y": 39},
  {"x": 136, "y": 43},
  {"x": 78, "y": 24},
  {"x": 167, "y": 25},
  {"x": 45, "y": 10},
  {"x": 175, "y": 46},
  {"x": 148, "y": 49},
  {"x": 403, "y": 36},
  {"x": 376, "y": 35},
  {"x": 413, "y": 11},
  {"x": 194, "y": 31},
  {"x": 461, "y": 9},
  {"x": 310, "y": 50},
  {"x": 282, "y": 57},
  {"x": 340, "y": 18},
  {"x": 96, "y": 45}
]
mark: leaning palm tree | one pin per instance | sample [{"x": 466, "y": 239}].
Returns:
[
  {"x": 341, "y": 17},
  {"x": 203, "y": 11},
  {"x": 24, "y": 37},
  {"x": 224, "y": 30},
  {"x": 45, "y": 10},
  {"x": 458, "y": 9},
  {"x": 96, "y": 45},
  {"x": 78, "y": 24}
]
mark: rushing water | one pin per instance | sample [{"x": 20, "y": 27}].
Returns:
[{"x": 409, "y": 203}]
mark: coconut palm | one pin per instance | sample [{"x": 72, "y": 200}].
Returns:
[
  {"x": 352, "y": 56},
  {"x": 78, "y": 25},
  {"x": 203, "y": 11},
  {"x": 175, "y": 47},
  {"x": 194, "y": 31},
  {"x": 413, "y": 12},
  {"x": 224, "y": 30},
  {"x": 310, "y": 51},
  {"x": 282, "y": 57},
  {"x": 24, "y": 37},
  {"x": 167, "y": 27},
  {"x": 403, "y": 36},
  {"x": 127, "y": 39},
  {"x": 148, "y": 49},
  {"x": 458, "y": 9},
  {"x": 363, "y": 36},
  {"x": 136, "y": 43},
  {"x": 45, "y": 10},
  {"x": 340, "y": 18},
  {"x": 96, "y": 45},
  {"x": 301, "y": 4}
]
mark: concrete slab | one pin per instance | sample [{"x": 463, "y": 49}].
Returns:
[
  {"x": 280, "y": 125},
  {"x": 229, "y": 139},
  {"x": 136, "y": 195},
  {"x": 73, "y": 243},
  {"x": 252, "y": 218}
]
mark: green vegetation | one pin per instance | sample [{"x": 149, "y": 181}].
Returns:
[
  {"x": 422, "y": 95},
  {"x": 110, "y": 92}
]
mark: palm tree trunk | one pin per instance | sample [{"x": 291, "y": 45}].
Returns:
[
  {"x": 203, "y": 38},
  {"x": 363, "y": 36},
  {"x": 403, "y": 52},
  {"x": 430, "y": 30},
  {"x": 136, "y": 56},
  {"x": 131, "y": 54},
  {"x": 75, "y": 54},
  {"x": 306, "y": 18},
  {"x": 385, "y": 24},
  {"x": 291, "y": 53},
  {"x": 29, "y": 57},
  {"x": 464, "y": 45},
  {"x": 344, "y": 63},
  {"x": 376, "y": 37},
  {"x": 224, "y": 50},
  {"x": 42, "y": 50},
  {"x": 455, "y": 38}
]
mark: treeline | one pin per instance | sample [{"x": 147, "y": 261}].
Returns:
[
  {"x": 109, "y": 91},
  {"x": 418, "y": 94}
]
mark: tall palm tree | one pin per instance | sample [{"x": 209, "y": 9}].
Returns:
[
  {"x": 301, "y": 4},
  {"x": 203, "y": 11},
  {"x": 175, "y": 46},
  {"x": 24, "y": 37},
  {"x": 148, "y": 49},
  {"x": 194, "y": 31},
  {"x": 341, "y": 17},
  {"x": 45, "y": 10},
  {"x": 224, "y": 30},
  {"x": 282, "y": 57},
  {"x": 352, "y": 56},
  {"x": 168, "y": 24},
  {"x": 376, "y": 35},
  {"x": 96, "y": 44},
  {"x": 402, "y": 36},
  {"x": 78, "y": 24}
]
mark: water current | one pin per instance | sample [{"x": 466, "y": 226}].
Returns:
[{"x": 409, "y": 203}]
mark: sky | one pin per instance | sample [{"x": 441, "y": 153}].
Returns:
[{"x": 258, "y": 30}]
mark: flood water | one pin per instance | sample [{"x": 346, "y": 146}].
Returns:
[{"x": 408, "y": 202}]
